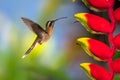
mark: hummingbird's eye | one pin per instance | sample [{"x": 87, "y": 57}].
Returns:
[{"x": 49, "y": 24}]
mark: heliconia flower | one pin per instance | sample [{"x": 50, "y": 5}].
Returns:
[
  {"x": 95, "y": 72},
  {"x": 99, "y": 5},
  {"x": 117, "y": 15},
  {"x": 93, "y": 23},
  {"x": 116, "y": 65},
  {"x": 116, "y": 41},
  {"x": 94, "y": 48}
]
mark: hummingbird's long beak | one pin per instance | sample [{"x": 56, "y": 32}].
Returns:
[{"x": 59, "y": 19}]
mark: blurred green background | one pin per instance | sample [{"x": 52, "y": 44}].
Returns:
[{"x": 57, "y": 59}]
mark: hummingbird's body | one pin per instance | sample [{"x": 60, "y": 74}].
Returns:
[{"x": 42, "y": 35}]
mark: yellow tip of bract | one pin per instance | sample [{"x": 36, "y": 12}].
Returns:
[
  {"x": 86, "y": 68},
  {"x": 81, "y": 17},
  {"x": 83, "y": 41}
]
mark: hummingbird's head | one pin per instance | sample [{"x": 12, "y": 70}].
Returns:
[{"x": 50, "y": 25}]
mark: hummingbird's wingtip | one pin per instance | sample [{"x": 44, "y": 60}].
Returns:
[{"x": 24, "y": 56}]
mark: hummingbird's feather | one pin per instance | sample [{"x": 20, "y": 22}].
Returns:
[
  {"x": 36, "y": 28},
  {"x": 32, "y": 46}
]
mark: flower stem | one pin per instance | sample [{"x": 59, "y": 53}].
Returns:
[
  {"x": 110, "y": 38},
  {"x": 111, "y": 70},
  {"x": 111, "y": 16}
]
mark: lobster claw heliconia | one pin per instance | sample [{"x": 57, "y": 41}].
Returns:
[
  {"x": 94, "y": 48},
  {"x": 93, "y": 23},
  {"x": 116, "y": 41},
  {"x": 117, "y": 15},
  {"x": 116, "y": 65},
  {"x": 98, "y": 5},
  {"x": 95, "y": 72}
]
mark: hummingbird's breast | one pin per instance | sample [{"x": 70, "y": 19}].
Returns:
[{"x": 45, "y": 37}]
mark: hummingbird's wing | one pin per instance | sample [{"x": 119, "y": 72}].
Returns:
[
  {"x": 31, "y": 47},
  {"x": 36, "y": 28}
]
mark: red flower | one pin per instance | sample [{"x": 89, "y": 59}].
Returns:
[
  {"x": 96, "y": 49},
  {"x": 116, "y": 41},
  {"x": 116, "y": 65},
  {"x": 95, "y": 72},
  {"x": 117, "y": 15},
  {"x": 98, "y": 5},
  {"x": 93, "y": 23}
]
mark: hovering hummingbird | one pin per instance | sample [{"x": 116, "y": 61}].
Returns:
[{"x": 42, "y": 35}]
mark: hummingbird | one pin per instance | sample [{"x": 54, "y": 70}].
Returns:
[{"x": 42, "y": 35}]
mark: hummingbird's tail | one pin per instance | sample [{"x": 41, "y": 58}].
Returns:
[{"x": 31, "y": 47}]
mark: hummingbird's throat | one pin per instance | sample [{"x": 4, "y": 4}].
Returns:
[{"x": 49, "y": 30}]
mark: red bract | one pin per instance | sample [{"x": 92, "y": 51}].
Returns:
[
  {"x": 100, "y": 49},
  {"x": 98, "y": 24},
  {"x": 96, "y": 49},
  {"x": 116, "y": 41},
  {"x": 93, "y": 23},
  {"x": 101, "y": 4},
  {"x": 117, "y": 15},
  {"x": 98, "y": 72},
  {"x": 116, "y": 65},
  {"x": 95, "y": 72}
]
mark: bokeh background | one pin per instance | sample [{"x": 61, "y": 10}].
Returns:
[{"x": 57, "y": 59}]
